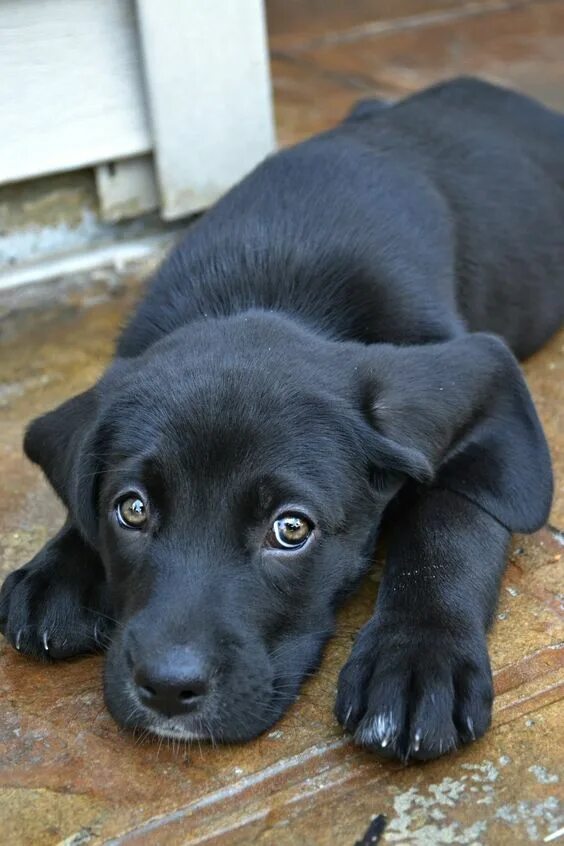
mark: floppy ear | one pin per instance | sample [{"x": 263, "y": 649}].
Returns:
[
  {"x": 459, "y": 415},
  {"x": 63, "y": 443}
]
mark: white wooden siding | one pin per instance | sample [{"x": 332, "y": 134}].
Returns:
[
  {"x": 71, "y": 89},
  {"x": 73, "y": 76}
]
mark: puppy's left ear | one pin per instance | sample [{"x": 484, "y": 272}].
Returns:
[
  {"x": 459, "y": 415},
  {"x": 63, "y": 443}
]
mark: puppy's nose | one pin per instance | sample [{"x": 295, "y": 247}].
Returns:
[{"x": 174, "y": 684}]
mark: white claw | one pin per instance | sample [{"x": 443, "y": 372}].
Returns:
[
  {"x": 417, "y": 741},
  {"x": 470, "y": 724},
  {"x": 349, "y": 712},
  {"x": 96, "y": 638},
  {"x": 45, "y": 642},
  {"x": 384, "y": 743},
  {"x": 19, "y": 640}
]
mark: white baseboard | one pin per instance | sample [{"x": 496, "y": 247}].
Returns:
[{"x": 116, "y": 255}]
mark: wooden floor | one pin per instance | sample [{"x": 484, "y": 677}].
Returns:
[
  {"x": 328, "y": 53},
  {"x": 67, "y": 775}
]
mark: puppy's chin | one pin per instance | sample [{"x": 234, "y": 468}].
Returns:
[
  {"x": 201, "y": 729},
  {"x": 177, "y": 732},
  {"x": 174, "y": 728}
]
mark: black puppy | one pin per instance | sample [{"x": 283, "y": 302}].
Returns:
[{"x": 304, "y": 365}]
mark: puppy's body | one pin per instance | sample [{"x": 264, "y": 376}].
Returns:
[
  {"x": 306, "y": 359},
  {"x": 406, "y": 224}
]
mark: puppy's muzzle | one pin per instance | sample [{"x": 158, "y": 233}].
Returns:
[{"x": 173, "y": 682}]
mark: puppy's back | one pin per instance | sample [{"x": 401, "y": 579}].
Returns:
[
  {"x": 497, "y": 158},
  {"x": 479, "y": 107},
  {"x": 392, "y": 227}
]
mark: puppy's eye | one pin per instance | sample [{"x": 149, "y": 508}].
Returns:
[
  {"x": 131, "y": 511},
  {"x": 289, "y": 531}
]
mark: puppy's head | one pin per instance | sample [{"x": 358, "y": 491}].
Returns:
[{"x": 233, "y": 479}]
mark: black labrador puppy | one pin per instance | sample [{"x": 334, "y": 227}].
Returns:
[{"x": 307, "y": 366}]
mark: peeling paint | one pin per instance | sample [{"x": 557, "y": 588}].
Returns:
[
  {"x": 529, "y": 813},
  {"x": 543, "y": 776},
  {"x": 486, "y": 771},
  {"x": 411, "y": 806},
  {"x": 417, "y": 815},
  {"x": 420, "y": 819}
]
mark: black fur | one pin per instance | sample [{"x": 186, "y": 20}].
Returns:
[{"x": 315, "y": 345}]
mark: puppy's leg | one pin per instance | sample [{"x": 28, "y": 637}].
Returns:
[
  {"x": 418, "y": 682},
  {"x": 57, "y": 605}
]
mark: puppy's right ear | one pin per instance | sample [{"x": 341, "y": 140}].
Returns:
[
  {"x": 63, "y": 443},
  {"x": 458, "y": 415}
]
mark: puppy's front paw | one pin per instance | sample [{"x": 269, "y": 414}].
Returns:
[
  {"x": 54, "y": 608},
  {"x": 415, "y": 692}
]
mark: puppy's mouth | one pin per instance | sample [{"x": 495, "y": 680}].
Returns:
[
  {"x": 201, "y": 728},
  {"x": 225, "y": 718},
  {"x": 175, "y": 731}
]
